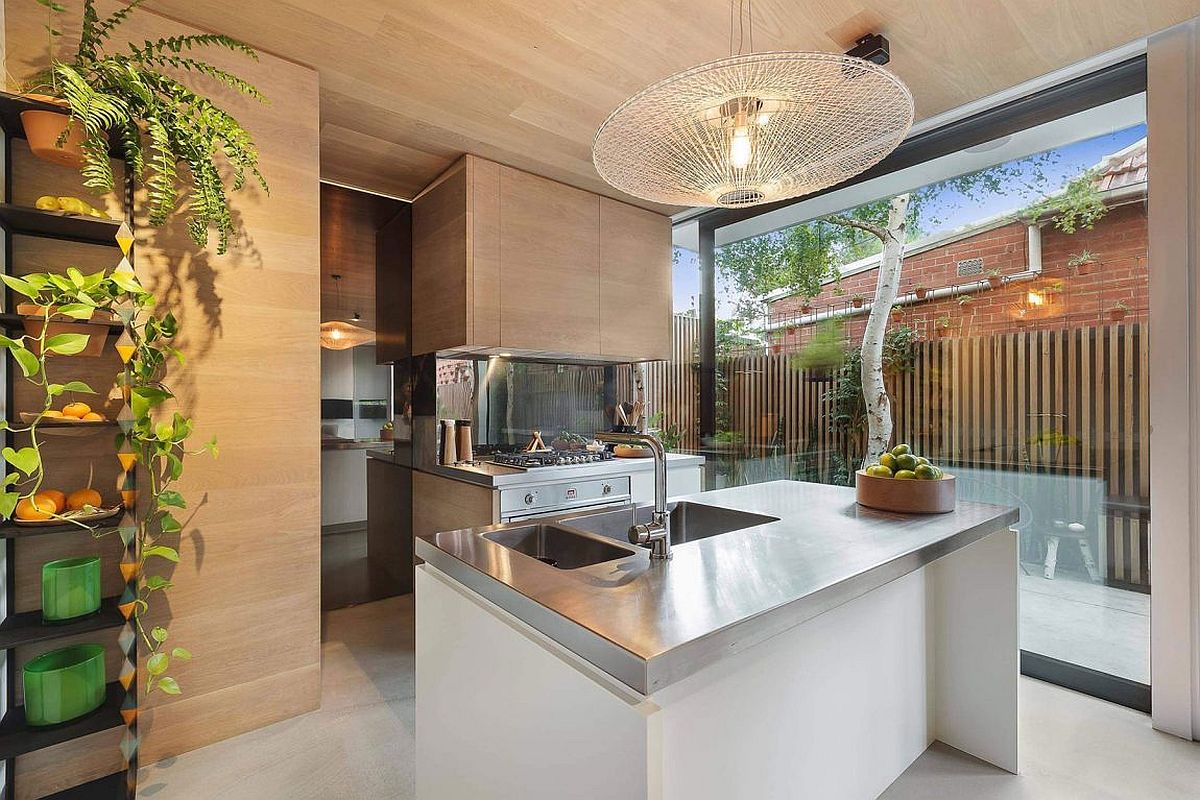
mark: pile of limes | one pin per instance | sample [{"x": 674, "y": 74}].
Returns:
[{"x": 903, "y": 464}]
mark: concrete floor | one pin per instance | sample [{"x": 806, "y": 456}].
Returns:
[
  {"x": 360, "y": 743},
  {"x": 1096, "y": 626}
]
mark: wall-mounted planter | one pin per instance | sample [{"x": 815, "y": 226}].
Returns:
[
  {"x": 95, "y": 329},
  {"x": 70, "y": 588},
  {"x": 64, "y": 684},
  {"x": 43, "y": 129}
]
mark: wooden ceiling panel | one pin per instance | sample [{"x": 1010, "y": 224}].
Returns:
[{"x": 407, "y": 85}]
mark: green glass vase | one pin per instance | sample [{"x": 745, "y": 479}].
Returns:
[
  {"x": 64, "y": 684},
  {"x": 70, "y": 588}
]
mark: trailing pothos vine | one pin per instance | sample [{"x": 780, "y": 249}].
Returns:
[{"x": 156, "y": 435}]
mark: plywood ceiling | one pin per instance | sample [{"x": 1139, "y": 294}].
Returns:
[{"x": 409, "y": 85}]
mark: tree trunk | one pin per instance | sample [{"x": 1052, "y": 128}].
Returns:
[{"x": 875, "y": 396}]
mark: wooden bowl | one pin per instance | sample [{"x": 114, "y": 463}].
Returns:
[
  {"x": 905, "y": 496},
  {"x": 632, "y": 451}
]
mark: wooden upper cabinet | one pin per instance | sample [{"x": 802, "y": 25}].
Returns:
[
  {"x": 507, "y": 261},
  {"x": 550, "y": 263},
  {"x": 635, "y": 282},
  {"x": 456, "y": 259}
]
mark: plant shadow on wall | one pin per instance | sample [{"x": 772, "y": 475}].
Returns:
[{"x": 185, "y": 154}]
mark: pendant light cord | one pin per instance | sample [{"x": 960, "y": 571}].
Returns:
[{"x": 745, "y": 24}]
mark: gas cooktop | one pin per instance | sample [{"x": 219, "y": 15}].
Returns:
[{"x": 550, "y": 458}]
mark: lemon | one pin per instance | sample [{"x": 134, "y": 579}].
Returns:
[
  {"x": 925, "y": 472},
  {"x": 47, "y": 203},
  {"x": 901, "y": 450},
  {"x": 922, "y": 460},
  {"x": 888, "y": 460},
  {"x": 906, "y": 475},
  {"x": 879, "y": 471},
  {"x": 906, "y": 461}
]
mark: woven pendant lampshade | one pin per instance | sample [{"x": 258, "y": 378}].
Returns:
[
  {"x": 753, "y": 128},
  {"x": 338, "y": 335}
]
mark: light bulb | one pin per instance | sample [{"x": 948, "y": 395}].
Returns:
[
  {"x": 739, "y": 148},
  {"x": 1035, "y": 298},
  {"x": 336, "y": 333}
]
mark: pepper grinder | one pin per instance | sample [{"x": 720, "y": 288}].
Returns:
[
  {"x": 449, "y": 444},
  {"x": 466, "y": 449}
]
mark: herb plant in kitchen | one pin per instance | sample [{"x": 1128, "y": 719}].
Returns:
[{"x": 159, "y": 125}]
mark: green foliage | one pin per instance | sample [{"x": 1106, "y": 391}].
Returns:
[
  {"x": 826, "y": 349},
  {"x": 158, "y": 436},
  {"x": 670, "y": 435},
  {"x": 849, "y": 408},
  {"x": 157, "y": 122},
  {"x": 1077, "y": 206}
]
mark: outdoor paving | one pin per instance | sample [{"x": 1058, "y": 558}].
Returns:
[{"x": 1093, "y": 625}]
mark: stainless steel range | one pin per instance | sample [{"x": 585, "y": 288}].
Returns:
[{"x": 550, "y": 458}]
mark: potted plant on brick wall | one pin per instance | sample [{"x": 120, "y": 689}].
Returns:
[
  {"x": 857, "y": 301},
  {"x": 920, "y": 291},
  {"x": 806, "y": 305},
  {"x": 1082, "y": 263},
  {"x": 995, "y": 278},
  {"x": 1117, "y": 311},
  {"x": 167, "y": 134},
  {"x": 941, "y": 326}
]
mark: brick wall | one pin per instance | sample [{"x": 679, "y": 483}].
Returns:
[{"x": 1069, "y": 300}]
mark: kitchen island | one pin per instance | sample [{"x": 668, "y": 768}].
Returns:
[{"x": 814, "y": 652}]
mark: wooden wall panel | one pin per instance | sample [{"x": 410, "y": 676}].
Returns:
[{"x": 247, "y": 587}]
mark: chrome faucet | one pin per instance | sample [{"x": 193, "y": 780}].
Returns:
[{"x": 657, "y": 533}]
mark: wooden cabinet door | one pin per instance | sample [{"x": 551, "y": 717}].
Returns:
[
  {"x": 635, "y": 282},
  {"x": 550, "y": 259},
  {"x": 440, "y": 318}
]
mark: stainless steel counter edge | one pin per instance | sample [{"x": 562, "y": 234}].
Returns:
[
  {"x": 499, "y": 477},
  {"x": 677, "y": 660}
]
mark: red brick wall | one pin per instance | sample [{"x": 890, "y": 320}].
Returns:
[{"x": 1118, "y": 242}]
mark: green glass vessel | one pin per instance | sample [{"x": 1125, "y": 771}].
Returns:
[
  {"x": 70, "y": 588},
  {"x": 64, "y": 684}
]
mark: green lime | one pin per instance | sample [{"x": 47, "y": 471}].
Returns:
[
  {"x": 922, "y": 460},
  {"x": 906, "y": 461},
  {"x": 938, "y": 473},
  {"x": 888, "y": 460},
  {"x": 906, "y": 475},
  {"x": 879, "y": 471},
  {"x": 901, "y": 450},
  {"x": 925, "y": 472}
]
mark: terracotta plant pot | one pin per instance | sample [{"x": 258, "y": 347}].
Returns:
[
  {"x": 42, "y": 129},
  {"x": 1085, "y": 268},
  {"x": 920, "y": 292},
  {"x": 943, "y": 332},
  {"x": 1117, "y": 314},
  {"x": 857, "y": 302},
  {"x": 995, "y": 281},
  {"x": 96, "y": 329},
  {"x": 806, "y": 309}
]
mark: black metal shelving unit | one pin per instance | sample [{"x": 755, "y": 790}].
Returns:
[{"x": 18, "y": 629}]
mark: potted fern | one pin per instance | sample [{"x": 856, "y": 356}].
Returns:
[{"x": 166, "y": 132}]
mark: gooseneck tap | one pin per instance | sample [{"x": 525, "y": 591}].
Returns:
[{"x": 657, "y": 533}]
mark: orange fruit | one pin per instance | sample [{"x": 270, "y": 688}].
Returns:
[
  {"x": 92, "y": 416},
  {"x": 76, "y": 410},
  {"x": 40, "y": 506},
  {"x": 84, "y": 497},
  {"x": 59, "y": 497}
]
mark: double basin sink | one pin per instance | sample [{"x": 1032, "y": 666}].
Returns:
[{"x": 592, "y": 538}]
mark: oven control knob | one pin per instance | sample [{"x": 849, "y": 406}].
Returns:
[
  {"x": 529, "y": 498},
  {"x": 607, "y": 489}
]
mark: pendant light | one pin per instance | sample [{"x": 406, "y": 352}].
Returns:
[
  {"x": 339, "y": 335},
  {"x": 753, "y": 127}
]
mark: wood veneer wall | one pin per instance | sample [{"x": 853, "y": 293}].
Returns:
[{"x": 246, "y": 597}]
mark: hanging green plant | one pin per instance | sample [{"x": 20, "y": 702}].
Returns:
[
  {"x": 153, "y": 438},
  {"x": 166, "y": 132}
]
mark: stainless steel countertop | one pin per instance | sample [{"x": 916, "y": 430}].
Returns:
[
  {"x": 650, "y": 625},
  {"x": 499, "y": 476}
]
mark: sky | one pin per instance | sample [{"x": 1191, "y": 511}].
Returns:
[{"x": 950, "y": 209}]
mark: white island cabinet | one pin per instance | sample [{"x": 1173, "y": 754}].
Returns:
[{"x": 814, "y": 654}]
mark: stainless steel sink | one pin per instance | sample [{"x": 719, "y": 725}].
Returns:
[
  {"x": 558, "y": 546},
  {"x": 689, "y": 521}
]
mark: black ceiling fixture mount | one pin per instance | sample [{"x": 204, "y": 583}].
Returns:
[{"x": 873, "y": 47}]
